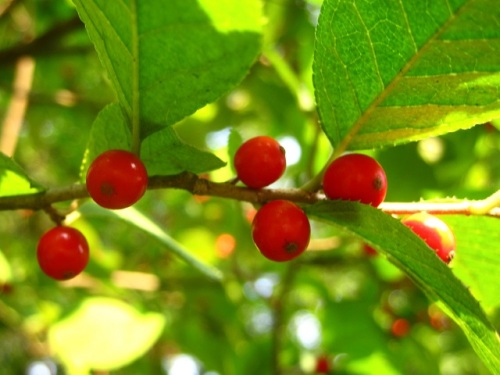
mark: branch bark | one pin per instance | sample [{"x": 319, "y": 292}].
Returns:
[{"x": 200, "y": 186}]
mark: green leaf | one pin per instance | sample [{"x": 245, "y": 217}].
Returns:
[
  {"x": 166, "y": 59},
  {"x": 477, "y": 258},
  {"x": 411, "y": 255},
  {"x": 388, "y": 72},
  {"x": 109, "y": 132},
  {"x": 137, "y": 219},
  {"x": 163, "y": 153},
  {"x": 5, "y": 269},
  {"x": 104, "y": 334},
  {"x": 14, "y": 180},
  {"x": 235, "y": 140}
]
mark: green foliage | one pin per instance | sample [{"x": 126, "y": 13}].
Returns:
[
  {"x": 141, "y": 222},
  {"x": 13, "y": 180},
  {"x": 184, "y": 83},
  {"x": 476, "y": 261},
  {"x": 404, "y": 71},
  {"x": 158, "y": 69},
  {"x": 411, "y": 255},
  {"x": 105, "y": 334}
]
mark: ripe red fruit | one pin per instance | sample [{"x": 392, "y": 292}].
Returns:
[
  {"x": 436, "y": 234},
  {"x": 322, "y": 365},
  {"x": 355, "y": 177},
  {"x": 117, "y": 179},
  {"x": 259, "y": 162},
  {"x": 62, "y": 253},
  {"x": 370, "y": 251},
  {"x": 400, "y": 327},
  {"x": 281, "y": 230}
]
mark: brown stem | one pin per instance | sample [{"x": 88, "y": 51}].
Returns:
[
  {"x": 54, "y": 215},
  {"x": 13, "y": 120},
  {"x": 7, "y": 7},
  {"x": 200, "y": 186}
]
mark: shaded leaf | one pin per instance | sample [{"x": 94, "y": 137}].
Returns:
[
  {"x": 406, "y": 250},
  {"x": 388, "y": 72},
  {"x": 109, "y": 132},
  {"x": 235, "y": 140},
  {"x": 163, "y": 153}
]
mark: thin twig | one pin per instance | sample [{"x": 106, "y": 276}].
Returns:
[
  {"x": 7, "y": 7},
  {"x": 14, "y": 117},
  {"x": 201, "y": 186}
]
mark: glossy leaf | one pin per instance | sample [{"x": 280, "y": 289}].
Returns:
[
  {"x": 165, "y": 60},
  {"x": 406, "y": 250},
  {"x": 390, "y": 72}
]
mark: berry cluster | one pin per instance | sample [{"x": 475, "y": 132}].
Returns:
[
  {"x": 116, "y": 179},
  {"x": 280, "y": 229}
]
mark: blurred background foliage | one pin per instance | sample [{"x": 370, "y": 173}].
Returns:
[{"x": 336, "y": 302}]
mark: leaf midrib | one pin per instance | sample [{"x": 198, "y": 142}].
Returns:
[
  {"x": 390, "y": 87},
  {"x": 136, "y": 123}
]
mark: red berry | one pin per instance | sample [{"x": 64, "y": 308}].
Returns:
[
  {"x": 322, "y": 365},
  {"x": 436, "y": 234},
  {"x": 370, "y": 251},
  {"x": 355, "y": 177},
  {"x": 259, "y": 162},
  {"x": 62, "y": 253},
  {"x": 400, "y": 327},
  {"x": 117, "y": 179},
  {"x": 281, "y": 230}
]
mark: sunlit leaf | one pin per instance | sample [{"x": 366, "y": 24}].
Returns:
[
  {"x": 411, "y": 255},
  {"x": 389, "y": 72},
  {"x": 477, "y": 259},
  {"x": 137, "y": 219},
  {"x": 5, "y": 269},
  {"x": 165, "y": 60},
  {"x": 14, "y": 180},
  {"x": 104, "y": 334}
]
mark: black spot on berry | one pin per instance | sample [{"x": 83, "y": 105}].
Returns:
[
  {"x": 107, "y": 189},
  {"x": 377, "y": 183},
  {"x": 291, "y": 247}
]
